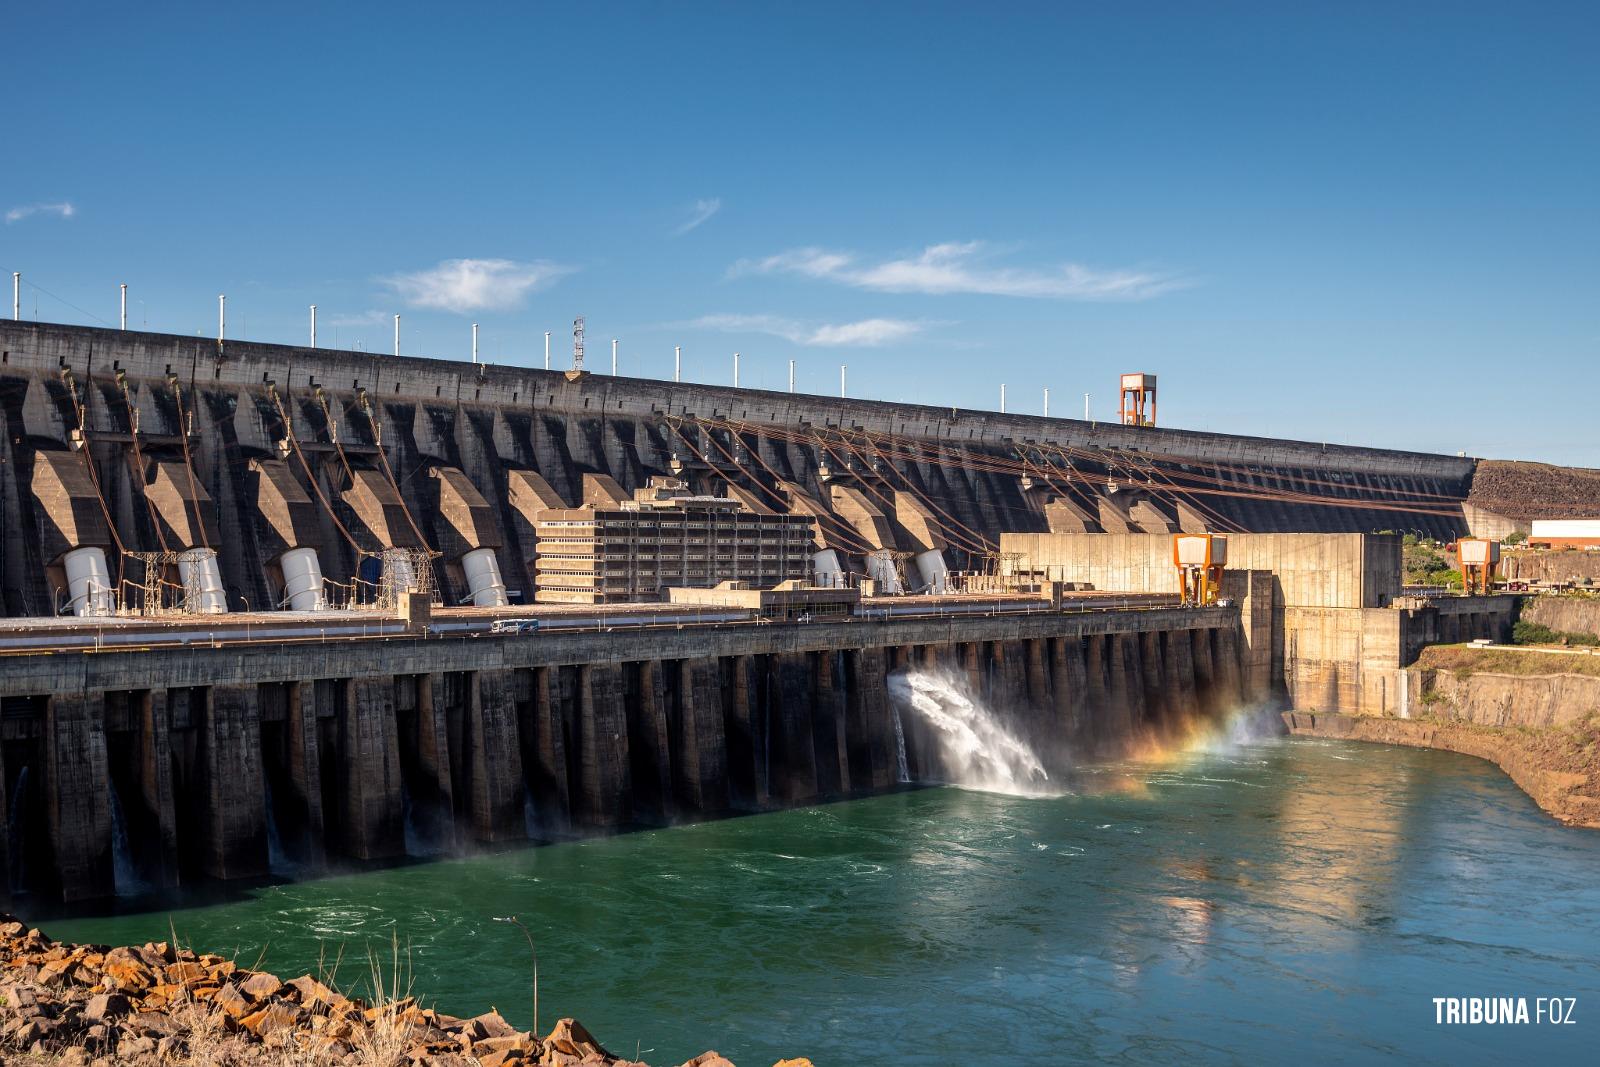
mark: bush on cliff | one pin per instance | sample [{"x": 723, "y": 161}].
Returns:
[{"x": 1537, "y": 633}]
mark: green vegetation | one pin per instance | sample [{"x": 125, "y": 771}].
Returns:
[
  {"x": 1537, "y": 633},
  {"x": 1425, "y": 564},
  {"x": 1515, "y": 537}
]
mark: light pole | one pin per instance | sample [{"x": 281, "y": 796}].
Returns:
[{"x": 534, "y": 954}]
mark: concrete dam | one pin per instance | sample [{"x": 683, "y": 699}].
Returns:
[
  {"x": 272, "y": 609},
  {"x": 190, "y": 443}
]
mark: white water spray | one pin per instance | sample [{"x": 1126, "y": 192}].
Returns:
[
  {"x": 975, "y": 749},
  {"x": 900, "y": 743}
]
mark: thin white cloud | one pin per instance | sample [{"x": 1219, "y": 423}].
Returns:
[
  {"x": 63, "y": 209},
  {"x": 464, "y": 285},
  {"x": 365, "y": 318},
  {"x": 702, "y": 210},
  {"x": 963, "y": 268},
  {"x": 868, "y": 333}
]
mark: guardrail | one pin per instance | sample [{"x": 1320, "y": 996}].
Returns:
[{"x": 142, "y": 637}]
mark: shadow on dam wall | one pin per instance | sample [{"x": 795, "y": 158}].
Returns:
[{"x": 131, "y": 793}]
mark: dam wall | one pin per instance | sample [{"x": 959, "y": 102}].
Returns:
[
  {"x": 138, "y": 770},
  {"x": 135, "y": 442},
  {"x": 1323, "y": 620}
]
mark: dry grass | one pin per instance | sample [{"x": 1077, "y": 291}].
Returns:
[{"x": 1463, "y": 659}]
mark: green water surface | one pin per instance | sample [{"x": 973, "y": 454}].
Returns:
[{"x": 1290, "y": 899}]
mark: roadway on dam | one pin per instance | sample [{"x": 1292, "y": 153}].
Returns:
[{"x": 20, "y": 636}]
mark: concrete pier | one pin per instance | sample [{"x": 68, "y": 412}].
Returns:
[{"x": 210, "y": 763}]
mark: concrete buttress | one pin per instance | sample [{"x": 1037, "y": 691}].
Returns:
[
  {"x": 605, "y": 785},
  {"x": 234, "y": 826},
  {"x": 828, "y": 724},
  {"x": 155, "y": 785},
  {"x": 77, "y": 801},
  {"x": 794, "y": 757},
  {"x": 700, "y": 742},
  {"x": 1159, "y": 700},
  {"x": 494, "y": 758},
  {"x": 748, "y": 716},
  {"x": 650, "y": 742},
  {"x": 869, "y": 731},
  {"x": 373, "y": 820},
  {"x": 305, "y": 767},
  {"x": 1122, "y": 674},
  {"x": 1180, "y": 675},
  {"x": 546, "y": 743},
  {"x": 1205, "y": 674},
  {"x": 432, "y": 791},
  {"x": 1229, "y": 670},
  {"x": 1098, "y": 687}
]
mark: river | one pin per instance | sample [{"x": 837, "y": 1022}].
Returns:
[{"x": 1230, "y": 906}]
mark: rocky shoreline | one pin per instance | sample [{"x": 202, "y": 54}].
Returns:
[
  {"x": 1549, "y": 765},
  {"x": 95, "y": 1006}
]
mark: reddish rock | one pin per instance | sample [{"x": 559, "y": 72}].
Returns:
[
  {"x": 186, "y": 973},
  {"x": 274, "y": 1017},
  {"x": 571, "y": 1039},
  {"x": 708, "y": 1059},
  {"x": 105, "y": 1007},
  {"x": 260, "y": 986},
  {"x": 490, "y": 1024},
  {"x": 312, "y": 991}
]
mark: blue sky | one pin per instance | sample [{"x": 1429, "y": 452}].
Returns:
[{"x": 1374, "y": 224}]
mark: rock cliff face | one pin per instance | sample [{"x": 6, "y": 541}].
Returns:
[
  {"x": 1557, "y": 768},
  {"x": 1561, "y": 565},
  {"x": 1577, "y": 615},
  {"x": 1488, "y": 699}
]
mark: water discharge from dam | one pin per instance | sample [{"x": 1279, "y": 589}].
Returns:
[{"x": 975, "y": 749}]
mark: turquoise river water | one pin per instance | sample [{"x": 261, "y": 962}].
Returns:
[{"x": 1283, "y": 899}]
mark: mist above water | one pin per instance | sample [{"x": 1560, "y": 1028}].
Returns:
[{"x": 972, "y": 747}]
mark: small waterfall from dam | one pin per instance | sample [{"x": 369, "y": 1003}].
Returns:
[
  {"x": 974, "y": 748},
  {"x": 530, "y": 814},
  {"x": 16, "y": 829},
  {"x": 278, "y": 861},
  {"x": 423, "y": 836},
  {"x": 124, "y": 873},
  {"x": 904, "y": 771}
]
